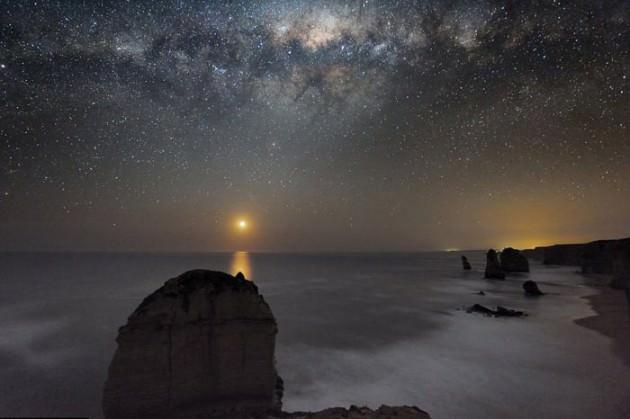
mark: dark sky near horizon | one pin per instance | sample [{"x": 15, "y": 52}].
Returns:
[{"x": 328, "y": 125}]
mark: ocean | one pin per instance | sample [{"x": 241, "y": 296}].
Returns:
[{"x": 364, "y": 329}]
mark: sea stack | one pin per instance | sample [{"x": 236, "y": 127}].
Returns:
[
  {"x": 202, "y": 345},
  {"x": 466, "y": 264},
  {"x": 531, "y": 288},
  {"x": 513, "y": 260},
  {"x": 493, "y": 268}
]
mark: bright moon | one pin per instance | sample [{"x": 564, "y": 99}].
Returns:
[{"x": 242, "y": 224}]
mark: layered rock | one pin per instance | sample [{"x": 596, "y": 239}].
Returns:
[
  {"x": 465, "y": 264},
  {"x": 201, "y": 345},
  {"x": 493, "y": 267},
  {"x": 513, "y": 260}
]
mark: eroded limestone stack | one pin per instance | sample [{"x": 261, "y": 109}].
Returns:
[
  {"x": 493, "y": 267},
  {"x": 202, "y": 345},
  {"x": 513, "y": 260},
  {"x": 465, "y": 264}
]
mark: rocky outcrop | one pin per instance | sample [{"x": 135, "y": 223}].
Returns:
[
  {"x": 594, "y": 258},
  {"x": 597, "y": 257},
  {"x": 499, "y": 312},
  {"x": 563, "y": 254},
  {"x": 621, "y": 266},
  {"x": 201, "y": 345},
  {"x": 537, "y": 253},
  {"x": 466, "y": 264},
  {"x": 383, "y": 412},
  {"x": 531, "y": 288},
  {"x": 493, "y": 267},
  {"x": 513, "y": 260}
]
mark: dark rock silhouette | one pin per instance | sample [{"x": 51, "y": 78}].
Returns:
[
  {"x": 499, "y": 312},
  {"x": 531, "y": 288},
  {"x": 481, "y": 293},
  {"x": 201, "y": 345},
  {"x": 621, "y": 268},
  {"x": 594, "y": 257},
  {"x": 466, "y": 264},
  {"x": 563, "y": 254},
  {"x": 513, "y": 260},
  {"x": 493, "y": 267},
  {"x": 537, "y": 253},
  {"x": 383, "y": 412}
]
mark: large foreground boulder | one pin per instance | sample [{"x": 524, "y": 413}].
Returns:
[
  {"x": 200, "y": 346},
  {"x": 493, "y": 267},
  {"x": 513, "y": 260}
]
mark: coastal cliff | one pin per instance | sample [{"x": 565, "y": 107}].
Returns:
[
  {"x": 593, "y": 257},
  {"x": 609, "y": 257},
  {"x": 202, "y": 346}
]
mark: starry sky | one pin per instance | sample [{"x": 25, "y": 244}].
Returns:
[{"x": 328, "y": 125}]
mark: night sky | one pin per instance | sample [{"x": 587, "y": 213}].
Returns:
[{"x": 327, "y": 125}]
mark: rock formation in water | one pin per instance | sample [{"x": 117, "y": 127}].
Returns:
[
  {"x": 201, "y": 345},
  {"x": 493, "y": 267},
  {"x": 513, "y": 260},
  {"x": 499, "y": 312},
  {"x": 531, "y": 288},
  {"x": 383, "y": 412},
  {"x": 466, "y": 264}
]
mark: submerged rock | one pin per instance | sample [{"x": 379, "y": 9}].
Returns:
[
  {"x": 493, "y": 268},
  {"x": 513, "y": 260},
  {"x": 466, "y": 264},
  {"x": 383, "y": 412},
  {"x": 201, "y": 345},
  {"x": 531, "y": 288},
  {"x": 499, "y": 312}
]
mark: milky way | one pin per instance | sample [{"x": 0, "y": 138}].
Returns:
[{"x": 332, "y": 125}]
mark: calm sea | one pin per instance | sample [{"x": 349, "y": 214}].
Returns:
[{"x": 364, "y": 329}]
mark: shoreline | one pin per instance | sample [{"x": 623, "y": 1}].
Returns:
[{"x": 612, "y": 318}]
